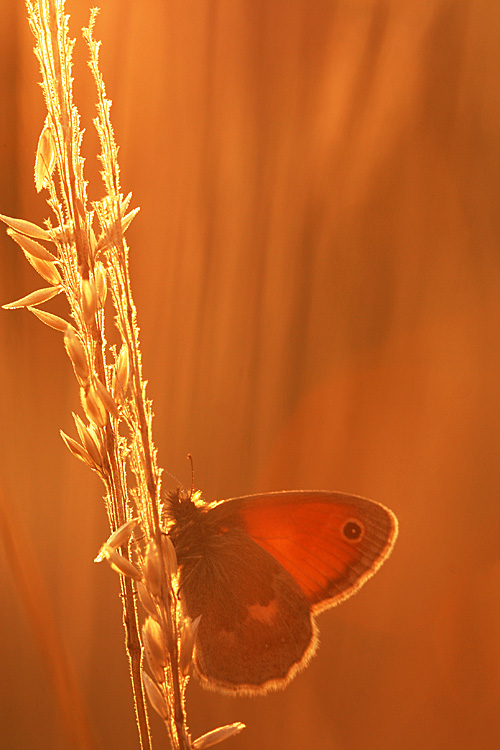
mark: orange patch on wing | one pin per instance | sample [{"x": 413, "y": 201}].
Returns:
[
  {"x": 266, "y": 614},
  {"x": 306, "y": 540}
]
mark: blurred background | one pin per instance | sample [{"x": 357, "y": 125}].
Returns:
[{"x": 316, "y": 269}]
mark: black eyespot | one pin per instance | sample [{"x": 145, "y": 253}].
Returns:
[{"x": 353, "y": 530}]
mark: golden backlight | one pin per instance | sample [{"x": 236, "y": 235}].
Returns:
[{"x": 316, "y": 271}]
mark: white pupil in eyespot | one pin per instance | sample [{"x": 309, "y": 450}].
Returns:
[{"x": 352, "y": 531}]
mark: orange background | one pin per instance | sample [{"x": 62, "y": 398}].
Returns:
[{"x": 316, "y": 268}]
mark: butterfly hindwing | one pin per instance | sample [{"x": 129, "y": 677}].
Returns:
[{"x": 255, "y": 622}]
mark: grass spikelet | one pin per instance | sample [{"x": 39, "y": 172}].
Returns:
[
  {"x": 90, "y": 263},
  {"x": 33, "y": 298},
  {"x": 217, "y": 735},
  {"x": 53, "y": 321}
]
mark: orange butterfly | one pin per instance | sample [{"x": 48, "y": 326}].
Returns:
[{"x": 259, "y": 568}]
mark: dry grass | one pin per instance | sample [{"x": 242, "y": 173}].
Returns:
[{"x": 88, "y": 263}]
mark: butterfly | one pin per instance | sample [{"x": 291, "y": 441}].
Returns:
[{"x": 259, "y": 568}]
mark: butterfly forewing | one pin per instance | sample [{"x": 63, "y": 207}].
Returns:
[{"x": 330, "y": 543}]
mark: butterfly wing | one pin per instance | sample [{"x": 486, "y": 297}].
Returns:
[
  {"x": 255, "y": 622},
  {"x": 256, "y": 567},
  {"x": 330, "y": 543}
]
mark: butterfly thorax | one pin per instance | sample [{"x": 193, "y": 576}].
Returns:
[{"x": 188, "y": 526}]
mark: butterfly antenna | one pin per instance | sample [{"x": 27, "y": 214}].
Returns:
[
  {"x": 190, "y": 459},
  {"x": 172, "y": 476}
]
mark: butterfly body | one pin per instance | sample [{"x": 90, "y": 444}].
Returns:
[{"x": 258, "y": 568}]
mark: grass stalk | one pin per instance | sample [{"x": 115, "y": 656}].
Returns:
[{"x": 88, "y": 262}]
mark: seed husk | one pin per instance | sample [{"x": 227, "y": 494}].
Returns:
[
  {"x": 26, "y": 227},
  {"x": 217, "y": 735},
  {"x": 38, "y": 297},
  {"x": 53, "y": 321},
  {"x": 155, "y": 696}
]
